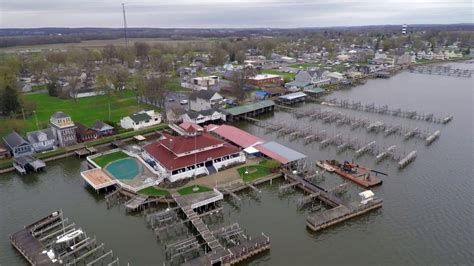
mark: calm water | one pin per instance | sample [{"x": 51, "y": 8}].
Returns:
[{"x": 427, "y": 216}]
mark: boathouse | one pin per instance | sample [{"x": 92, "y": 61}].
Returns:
[
  {"x": 292, "y": 98},
  {"x": 25, "y": 163},
  {"x": 249, "y": 110},
  {"x": 283, "y": 154}
]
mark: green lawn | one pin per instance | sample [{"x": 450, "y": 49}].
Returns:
[
  {"x": 190, "y": 190},
  {"x": 105, "y": 159},
  {"x": 305, "y": 65},
  {"x": 175, "y": 86},
  {"x": 286, "y": 76},
  {"x": 152, "y": 191},
  {"x": 254, "y": 172},
  {"x": 85, "y": 110}
]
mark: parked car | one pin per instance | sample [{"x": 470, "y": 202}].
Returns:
[{"x": 183, "y": 102}]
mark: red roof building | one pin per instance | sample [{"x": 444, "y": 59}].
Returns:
[
  {"x": 235, "y": 135},
  {"x": 179, "y": 157}
]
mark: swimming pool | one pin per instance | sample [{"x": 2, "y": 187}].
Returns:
[{"x": 127, "y": 168}]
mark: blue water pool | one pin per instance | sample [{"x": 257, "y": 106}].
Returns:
[{"x": 127, "y": 168}]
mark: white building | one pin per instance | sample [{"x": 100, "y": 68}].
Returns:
[
  {"x": 204, "y": 100},
  {"x": 191, "y": 156},
  {"x": 141, "y": 120}
]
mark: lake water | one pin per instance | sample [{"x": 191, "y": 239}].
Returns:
[{"x": 427, "y": 217}]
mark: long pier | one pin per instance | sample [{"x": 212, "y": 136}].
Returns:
[
  {"x": 219, "y": 247},
  {"x": 386, "y": 110},
  {"x": 338, "y": 212}
]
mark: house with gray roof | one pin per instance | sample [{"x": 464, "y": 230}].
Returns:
[
  {"x": 64, "y": 129},
  {"x": 140, "y": 120},
  {"x": 205, "y": 100},
  {"x": 317, "y": 76},
  {"x": 17, "y": 145},
  {"x": 42, "y": 140},
  {"x": 103, "y": 129},
  {"x": 204, "y": 116}
]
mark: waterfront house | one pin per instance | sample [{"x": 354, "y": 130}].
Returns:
[
  {"x": 317, "y": 77},
  {"x": 63, "y": 128},
  {"x": 42, "y": 140},
  {"x": 4, "y": 152},
  {"x": 84, "y": 133},
  {"x": 205, "y": 100},
  {"x": 204, "y": 116},
  {"x": 175, "y": 114},
  {"x": 140, "y": 120},
  {"x": 180, "y": 157},
  {"x": 102, "y": 129},
  {"x": 17, "y": 145}
]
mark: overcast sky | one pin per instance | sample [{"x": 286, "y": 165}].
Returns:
[{"x": 231, "y": 13}]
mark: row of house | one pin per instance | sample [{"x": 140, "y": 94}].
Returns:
[{"x": 62, "y": 132}]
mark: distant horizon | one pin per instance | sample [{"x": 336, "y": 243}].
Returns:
[
  {"x": 216, "y": 14},
  {"x": 242, "y": 28}
]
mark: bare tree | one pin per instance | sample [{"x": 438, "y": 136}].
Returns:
[
  {"x": 239, "y": 80},
  {"x": 155, "y": 91}
]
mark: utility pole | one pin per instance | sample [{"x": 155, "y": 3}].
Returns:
[{"x": 125, "y": 26}]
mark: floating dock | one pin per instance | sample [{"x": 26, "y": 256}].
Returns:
[
  {"x": 357, "y": 174},
  {"x": 338, "y": 212},
  {"x": 407, "y": 160}
]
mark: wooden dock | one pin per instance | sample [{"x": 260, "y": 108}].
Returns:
[
  {"x": 338, "y": 212},
  {"x": 35, "y": 239},
  {"x": 341, "y": 213}
]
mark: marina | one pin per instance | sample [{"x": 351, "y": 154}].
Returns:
[{"x": 138, "y": 244}]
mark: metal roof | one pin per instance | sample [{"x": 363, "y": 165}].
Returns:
[
  {"x": 279, "y": 152},
  {"x": 235, "y": 135},
  {"x": 293, "y": 96},
  {"x": 313, "y": 90},
  {"x": 250, "y": 107}
]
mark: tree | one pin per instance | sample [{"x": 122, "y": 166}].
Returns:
[
  {"x": 141, "y": 49},
  {"x": 53, "y": 89},
  {"x": 155, "y": 91},
  {"x": 240, "y": 57},
  {"x": 10, "y": 103},
  {"x": 119, "y": 78},
  {"x": 109, "y": 52},
  {"x": 239, "y": 80},
  {"x": 273, "y": 165},
  {"x": 218, "y": 57}
]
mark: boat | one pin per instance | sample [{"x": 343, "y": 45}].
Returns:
[
  {"x": 64, "y": 244},
  {"x": 356, "y": 173},
  {"x": 325, "y": 166}
]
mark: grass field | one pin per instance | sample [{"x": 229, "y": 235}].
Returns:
[
  {"x": 305, "y": 65},
  {"x": 152, "y": 191},
  {"x": 253, "y": 172},
  {"x": 190, "y": 190},
  {"x": 102, "y": 43},
  {"x": 286, "y": 76},
  {"x": 105, "y": 159},
  {"x": 85, "y": 110}
]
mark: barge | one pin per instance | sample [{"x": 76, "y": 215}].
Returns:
[{"x": 356, "y": 173}]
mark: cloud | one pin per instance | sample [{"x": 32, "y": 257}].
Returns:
[{"x": 230, "y": 13}]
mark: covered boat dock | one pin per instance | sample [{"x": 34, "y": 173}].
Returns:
[
  {"x": 27, "y": 162},
  {"x": 249, "y": 110}
]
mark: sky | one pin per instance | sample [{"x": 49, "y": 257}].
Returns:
[{"x": 231, "y": 13}]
